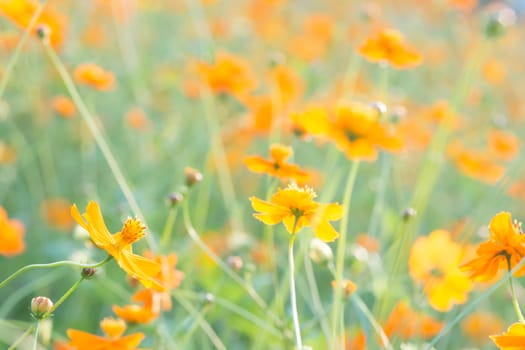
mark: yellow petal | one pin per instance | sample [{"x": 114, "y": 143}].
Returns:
[{"x": 325, "y": 232}]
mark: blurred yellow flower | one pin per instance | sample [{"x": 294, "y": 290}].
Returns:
[
  {"x": 118, "y": 245},
  {"x": 513, "y": 339},
  {"x": 295, "y": 207}
]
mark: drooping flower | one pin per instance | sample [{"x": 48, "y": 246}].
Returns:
[
  {"x": 389, "y": 45},
  {"x": 113, "y": 340},
  {"x": 295, "y": 207},
  {"x": 443, "y": 282},
  {"x": 94, "y": 76},
  {"x": 513, "y": 339},
  {"x": 118, "y": 245},
  {"x": 503, "y": 251},
  {"x": 11, "y": 235},
  {"x": 278, "y": 165}
]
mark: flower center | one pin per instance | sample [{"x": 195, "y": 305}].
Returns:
[
  {"x": 132, "y": 231},
  {"x": 297, "y": 212}
]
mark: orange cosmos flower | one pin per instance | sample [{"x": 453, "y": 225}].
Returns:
[
  {"x": 277, "y": 166},
  {"x": 479, "y": 325},
  {"x": 228, "y": 74},
  {"x": 287, "y": 83},
  {"x": 503, "y": 145},
  {"x": 94, "y": 76},
  {"x": 295, "y": 207},
  {"x": 151, "y": 303},
  {"x": 57, "y": 213},
  {"x": 389, "y": 45},
  {"x": 504, "y": 250},
  {"x": 21, "y": 12},
  {"x": 63, "y": 106},
  {"x": 513, "y": 339},
  {"x": 113, "y": 329},
  {"x": 443, "y": 282},
  {"x": 11, "y": 235},
  {"x": 405, "y": 323},
  {"x": 118, "y": 245}
]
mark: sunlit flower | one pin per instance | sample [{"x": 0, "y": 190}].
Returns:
[
  {"x": 388, "y": 45},
  {"x": 513, "y": 339},
  {"x": 113, "y": 339},
  {"x": 295, "y": 207},
  {"x": 11, "y": 235},
  {"x": 94, "y": 76},
  {"x": 278, "y": 165},
  {"x": 118, "y": 245},
  {"x": 503, "y": 251},
  {"x": 443, "y": 282},
  {"x": 21, "y": 12}
]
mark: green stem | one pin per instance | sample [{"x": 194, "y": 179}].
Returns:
[
  {"x": 515, "y": 303},
  {"x": 16, "y": 54},
  {"x": 293, "y": 298},
  {"x": 50, "y": 265},
  {"x": 340, "y": 256},
  {"x": 168, "y": 228},
  {"x": 22, "y": 337},
  {"x": 35, "y": 342},
  {"x": 63, "y": 298},
  {"x": 97, "y": 134}
]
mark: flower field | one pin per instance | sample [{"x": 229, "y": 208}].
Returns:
[{"x": 262, "y": 174}]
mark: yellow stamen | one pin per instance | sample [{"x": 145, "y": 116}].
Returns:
[{"x": 132, "y": 231}]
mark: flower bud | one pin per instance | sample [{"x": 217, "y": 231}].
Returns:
[
  {"x": 175, "y": 198},
  {"x": 40, "y": 306},
  {"x": 43, "y": 32},
  {"x": 88, "y": 273},
  {"x": 235, "y": 262},
  {"x": 347, "y": 286},
  {"x": 409, "y": 213},
  {"x": 500, "y": 18},
  {"x": 320, "y": 252},
  {"x": 193, "y": 176}
]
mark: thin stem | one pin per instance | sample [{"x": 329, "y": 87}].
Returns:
[
  {"x": 515, "y": 303},
  {"x": 63, "y": 298},
  {"x": 22, "y": 337},
  {"x": 97, "y": 134},
  {"x": 55, "y": 264},
  {"x": 16, "y": 54},
  {"x": 358, "y": 302},
  {"x": 35, "y": 342},
  {"x": 340, "y": 256},
  {"x": 296, "y": 325},
  {"x": 168, "y": 228},
  {"x": 214, "y": 338}
]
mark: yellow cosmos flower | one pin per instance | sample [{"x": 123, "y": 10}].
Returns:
[
  {"x": 504, "y": 250},
  {"x": 295, "y": 207},
  {"x": 118, "y": 245}
]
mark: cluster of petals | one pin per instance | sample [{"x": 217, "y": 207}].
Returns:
[{"x": 295, "y": 207}]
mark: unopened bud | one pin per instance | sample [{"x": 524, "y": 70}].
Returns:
[
  {"x": 347, "y": 286},
  {"x": 409, "y": 213},
  {"x": 88, "y": 272},
  {"x": 235, "y": 262},
  {"x": 320, "y": 252},
  {"x": 193, "y": 176},
  {"x": 175, "y": 198},
  {"x": 40, "y": 306},
  {"x": 380, "y": 107},
  {"x": 43, "y": 32},
  {"x": 500, "y": 18},
  {"x": 209, "y": 298}
]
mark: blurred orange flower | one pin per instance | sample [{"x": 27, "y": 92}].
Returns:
[
  {"x": 476, "y": 164},
  {"x": 388, "y": 45},
  {"x": 113, "y": 340},
  {"x": 443, "y": 282},
  {"x": 137, "y": 119},
  {"x": 8, "y": 154},
  {"x": 21, "y": 12},
  {"x": 278, "y": 165},
  {"x": 151, "y": 303},
  {"x": 513, "y": 339},
  {"x": 94, "y": 76},
  {"x": 11, "y": 235},
  {"x": 479, "y": 325},
  {"x": 287, "y": 83},
  {"x": 63, "y": 106},
  {"x": 57, "y": 213},
  {"x": 295, "y": 207},
  {"x": 504, "y": 250},
  {"x": 118, "y": 245},
  {"x": 407, "y": 324},
  {"x": 503, "y": 144},
  {"x": 228, "y": 74}
]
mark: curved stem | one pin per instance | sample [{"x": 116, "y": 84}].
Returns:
[
  {"x": 293, "y": 298},
  {"x": 55, "y": 264},
  {"x": 340, "y": 256},
  {"x": 99, "y": 138}
]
